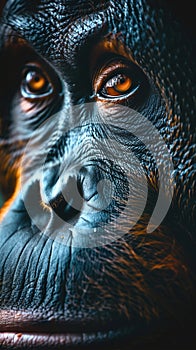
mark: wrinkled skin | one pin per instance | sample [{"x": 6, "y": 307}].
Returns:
[{"x": 138, "y": 290}]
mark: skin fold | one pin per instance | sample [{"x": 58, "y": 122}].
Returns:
[{"x": 97, "y": 177}]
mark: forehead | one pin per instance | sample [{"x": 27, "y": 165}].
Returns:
[
  {"x": 67, "y": 24},
  {"x": 65, "y": 11},
  {"x": 68, "y": 4},
  {"x": 64, "y": 15}
]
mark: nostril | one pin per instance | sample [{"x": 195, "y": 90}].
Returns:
[{"x": 65, "y": 199}]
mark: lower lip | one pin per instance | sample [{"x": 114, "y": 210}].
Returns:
[{"x": 98, "y": 340}]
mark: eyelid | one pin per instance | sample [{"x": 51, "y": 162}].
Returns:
[{"x": 38, "y": 68}]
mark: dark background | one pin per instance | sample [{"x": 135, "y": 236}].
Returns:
[
  {"x": 184, "y": 11},
  {"x": 2, "y": 2}
]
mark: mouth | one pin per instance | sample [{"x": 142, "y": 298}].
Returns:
[{"x": 22, "y": 331}]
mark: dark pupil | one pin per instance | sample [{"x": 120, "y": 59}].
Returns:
[
  {"x": 121, "y": 79},
  {"x": 36, "y": 78}
]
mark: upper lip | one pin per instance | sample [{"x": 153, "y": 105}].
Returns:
[{"x": 11, "y": 321}]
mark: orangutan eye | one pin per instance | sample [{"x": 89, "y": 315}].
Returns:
[
  {"x": 35, "y": 83},
  {"x": 116, "y": 81}
]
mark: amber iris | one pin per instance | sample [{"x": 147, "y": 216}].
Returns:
[
  {"x": 35, "y": 81},
  {"x": 118, "y": 85}
]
